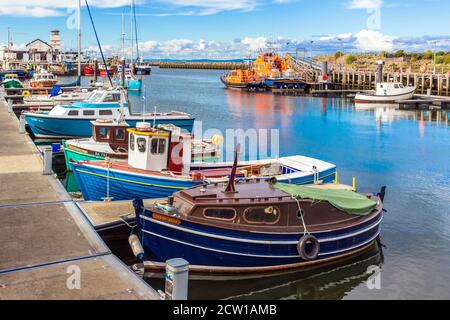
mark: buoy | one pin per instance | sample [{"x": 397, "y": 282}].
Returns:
[
  {"x": 136, "y": 246},
  {"x": 26, "y": 94}
]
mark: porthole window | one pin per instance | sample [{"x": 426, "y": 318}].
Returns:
[
  {"x": 141, "y": 144},
  {"x": 73, "y": 113},
  {"x": 262, "y": 215},
  {"x": 131, "y": 142},
  {"x": 105, "y": 112},
  {"x": 227, "y": 214},
  {"x": 300, "y": 214}
]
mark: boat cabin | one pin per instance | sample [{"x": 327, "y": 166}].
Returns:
[
  {"x": 46, "y": 76},
  {"x": 158, "y": 149},
  {"x": 391, "y": 88},
  {"x": 111, "y": 132},
  {"x": 256, "y": 205}
]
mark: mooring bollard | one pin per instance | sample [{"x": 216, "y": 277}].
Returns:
[
  {"x": 177, "y": 274},
  {"x": 10, "y": 105},
  {"x": 22, "y": 124},
  {"x": 48, "y": 155}
]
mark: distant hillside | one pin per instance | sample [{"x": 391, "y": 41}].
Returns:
[{"x": 195, "y": 60}]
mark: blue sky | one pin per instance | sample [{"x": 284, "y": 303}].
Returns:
[{"x": 236, "y": 28}]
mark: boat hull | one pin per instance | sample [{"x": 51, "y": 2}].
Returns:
[
  {"x": 213, "y": 249},
  {"x": 12, "y": 84},
  {"x": 94, "y": 181},
  {"x": 284, "y": 83},
  {"x": 362, "y": 98},
  {"x": 44, "y": 126}
]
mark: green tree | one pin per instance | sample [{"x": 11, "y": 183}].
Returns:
[
  {"x": 350, "y": 59},
  {"x": 428, "y": 55},
  {"x": 439, "y": 59},
  {"x": 447, "y": 58},
  {"x": 338, "y": 54},
  {"x": 399, "y": 53}
]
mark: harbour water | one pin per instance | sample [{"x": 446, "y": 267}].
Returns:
[{"x": 409, "y": 152}]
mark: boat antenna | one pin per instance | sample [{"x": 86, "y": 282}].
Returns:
[
  {"x": 154, "y": 117},
  {"x": 230, "y": 186},
  {"x": 98, "y": 42}
]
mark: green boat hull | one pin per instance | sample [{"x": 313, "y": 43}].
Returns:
[
  {"x": 78, "y": 156},
  {"x": 12, "y": 84}
]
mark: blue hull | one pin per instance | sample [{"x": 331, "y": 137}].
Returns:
[
  {"x": 285, "y": 83},
  {"x": 210, "y": 246},
  {"x": 45, "y": 127},
  {"x": 126, "y": 186}
]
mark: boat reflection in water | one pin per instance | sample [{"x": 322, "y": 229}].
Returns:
[
  {"x": 386, "y": 113},
  {"x": 331, "y": 281}
]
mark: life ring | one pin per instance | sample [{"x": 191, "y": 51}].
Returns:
[
  {"x": 26, "y": 94},
  {"x": 308, "y": 247}
]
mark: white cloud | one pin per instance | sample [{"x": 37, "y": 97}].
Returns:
[
  {"x": 369, "y": 40},
  {"x": 51, "y": 8},
  {"x": 365, "y": 4}
]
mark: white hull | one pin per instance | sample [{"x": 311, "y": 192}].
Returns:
[{"x": 373, "y": 98}]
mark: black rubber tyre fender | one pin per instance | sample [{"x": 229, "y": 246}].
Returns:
[{"x": 308, "y": 247}]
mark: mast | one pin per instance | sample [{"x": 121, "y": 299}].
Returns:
[
  {"x": 79, "y": 41},
  {"x": 123, "y": 35},
  {"x": 132, "y": 30}
]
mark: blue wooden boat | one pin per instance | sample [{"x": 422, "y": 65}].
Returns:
[
  {"x": 160, "y": 164},
  {"x": 74, "y": 121},
  {"x": 258, "y": 226}
]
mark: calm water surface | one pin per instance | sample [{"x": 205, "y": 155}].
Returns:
[{"x": 407, "y": 151}]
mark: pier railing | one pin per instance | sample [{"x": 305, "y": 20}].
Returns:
[{"x": 434, "y": 84}]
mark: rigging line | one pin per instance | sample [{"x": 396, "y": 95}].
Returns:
[{"x": 98, "y": 42}]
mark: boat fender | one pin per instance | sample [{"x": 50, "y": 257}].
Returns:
[
  {"x": 26, "y": 94},
  {"x": 136, "y": 246},
  {"x": 308, "y": 247},
  {"x": 273, "y": 180}
]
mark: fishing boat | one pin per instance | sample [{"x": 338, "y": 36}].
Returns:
[
  {"x": 386, "y": 92},
  {"x": 131, "y": 82},
  {"x": 88, "y": 71},
  {"x": 74, "y": 120},
  {"x": 256, "y": 226},
  {"x": 43, "y": 79},
  {"x": 11, "y": 81},
  {"x": 142, "y": 70},
  {"x": 110, "y": 140},
  {"x": 157, "y": 166}
]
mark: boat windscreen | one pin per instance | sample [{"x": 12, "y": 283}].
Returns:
[{"x": 345, "y": 200}]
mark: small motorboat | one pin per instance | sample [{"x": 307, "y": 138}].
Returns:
[
  {"x": 142, "y": 70},
  {"x": 110, "y": 140},
  {"x": 256, "y": 226},
  {"x": 74, "y": 120},
  {"x": 158, "y": 165},
  {"x": 11, "y": 81},
  {"x": 43, "y": 79},
  {"x": 386, "y": 92}
]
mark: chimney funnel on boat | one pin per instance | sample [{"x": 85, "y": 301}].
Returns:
[
  {"x": 230, "y": 186},
  {"x": 379, "y": 72}
]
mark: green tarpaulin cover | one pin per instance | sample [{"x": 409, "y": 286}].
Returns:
[{"x": 344, "y": 200}]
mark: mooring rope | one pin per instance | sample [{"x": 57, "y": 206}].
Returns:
[{"x": 305, "y": 230}]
